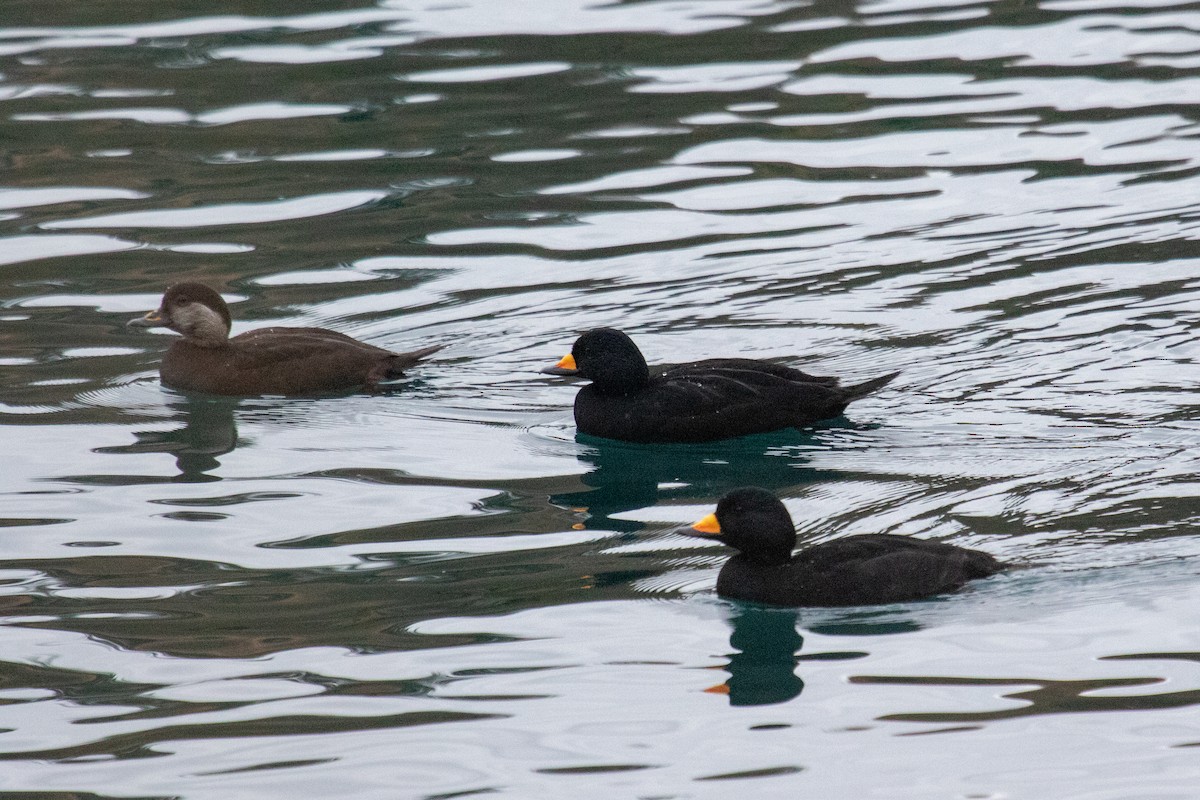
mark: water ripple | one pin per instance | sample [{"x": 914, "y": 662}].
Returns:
[{"x": 231, "y": 214}]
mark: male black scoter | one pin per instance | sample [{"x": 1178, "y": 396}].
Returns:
[
  {"x": 857, "y": 570},
  {"x": 284, "y": 361},
  {"x": 699, "y": 401}
]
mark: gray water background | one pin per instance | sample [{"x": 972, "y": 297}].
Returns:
[{"x": 441, "y": 592}]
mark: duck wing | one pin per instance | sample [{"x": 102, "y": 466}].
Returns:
[
  {"x": 884, "y": 568},
  {"x": 288, "y": 361},
  {"x": 705, "y": 402},
  {"x": 745, "y": 386},
  {"x": 293, "y": 340},
  {"x": 715, "y": 399},
  {"x": 742, "y": 364},
  {"x": 335, "y": 354}
]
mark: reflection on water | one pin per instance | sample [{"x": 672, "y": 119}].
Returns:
[
  {"x": 762, "y": 670},
  {"x": 868, "y": 623},
  {"x": 622, "y": 476},
  {"x": 441, "y": 590},
  {"x": 1048, "y": 697},
  {"x": 208, "y": 430}
]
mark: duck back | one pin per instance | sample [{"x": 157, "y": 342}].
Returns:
[
  {"x": 741, "y": 364},
  {"x": 285, "y": 361},
  {"x": 707, "y": 400},
  {"x": 857, "y": 570}
]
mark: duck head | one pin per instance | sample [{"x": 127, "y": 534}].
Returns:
[
  {"x": 608, "y": 358},
  {"x": 194, "y": 310},
  {"x": 755, "y": 522}
]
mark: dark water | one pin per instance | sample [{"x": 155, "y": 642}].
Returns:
[{"x": 440, "y": 592}]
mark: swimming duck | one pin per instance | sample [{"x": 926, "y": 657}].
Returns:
[
  {"x": 285, "y": 361},
  {"x": 699, "y": 401},
  {"x": 857, "y": 570}
]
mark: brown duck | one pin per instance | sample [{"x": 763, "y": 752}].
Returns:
[{"x": 284, "y": 361}]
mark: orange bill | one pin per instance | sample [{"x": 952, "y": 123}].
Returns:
[
  {"x": 708, "y": 525},
  {"x": 565, "y": 367}
]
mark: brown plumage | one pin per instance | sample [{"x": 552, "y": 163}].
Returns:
[{"x": 284, "y": 361}]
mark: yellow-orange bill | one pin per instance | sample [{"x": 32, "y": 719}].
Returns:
[
  {"x": 720, "y": 688},
  {"x": 566, "y": 362},
  {"x": 708, "y": 525}
]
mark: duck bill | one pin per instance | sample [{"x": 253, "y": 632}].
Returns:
[
  {"x": 153, "y": 319},
  {"x": 706, "y": 528},
  {"x": 565, "y": 366}
]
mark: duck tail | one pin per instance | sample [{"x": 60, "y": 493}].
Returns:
[
  {"x": 981, "y": 564},
  {"x": 417, "y": 355},
  {"x": 401, "y": 361},
  {"x": 866, "y": 387}
]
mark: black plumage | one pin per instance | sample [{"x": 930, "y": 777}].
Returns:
[
  {"x": 698, "y": 401},
  {"x": 857, "y": 570}
]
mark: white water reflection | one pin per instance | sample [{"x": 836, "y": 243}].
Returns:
[
  {"x": 25, "y": 198},
  {"x": 175, "y": 116},
  {"x": 227, "y": 214},
  {"x": 1093, "y": 40},
  {"x": 16, "y": 249}
]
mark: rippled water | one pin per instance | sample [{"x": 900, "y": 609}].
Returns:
[{"x": 440, "y": 591}]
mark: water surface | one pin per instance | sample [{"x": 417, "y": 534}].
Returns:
[{"x": 441, "y": 591}]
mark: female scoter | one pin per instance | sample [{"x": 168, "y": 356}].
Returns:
[
  {"x": 286, "y": 361},
  {"x": 856, "y": 570},
  {"x": 699, "y": 401}
]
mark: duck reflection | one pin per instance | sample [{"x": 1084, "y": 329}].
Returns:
[
  {"x": 871, "y": 622},
  {"x": 762, "y": 670},
  {"x": 208, "y": 431},
  {"x": 626, "y": 476}
]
